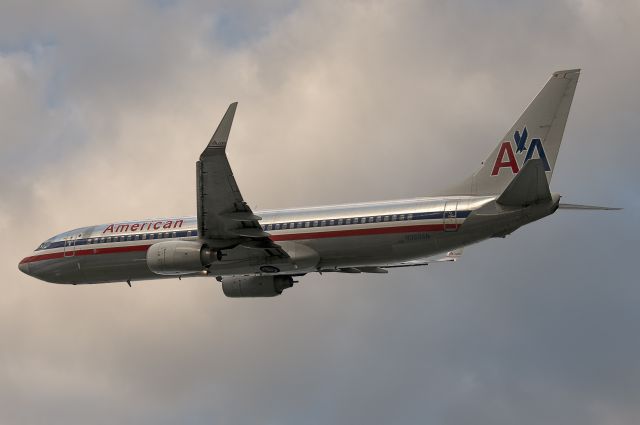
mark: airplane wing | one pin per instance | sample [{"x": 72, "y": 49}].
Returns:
[{"x": 225, "y": 220}]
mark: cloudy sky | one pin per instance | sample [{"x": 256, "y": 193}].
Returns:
[{"x": 105, "y": 106}]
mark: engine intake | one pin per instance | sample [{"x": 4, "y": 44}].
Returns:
[
  {"x": 172, "y": 258},
  {"x": 255, "y": 286}
]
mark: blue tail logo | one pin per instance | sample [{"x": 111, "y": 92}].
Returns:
[{"x": 506, "y": 157}]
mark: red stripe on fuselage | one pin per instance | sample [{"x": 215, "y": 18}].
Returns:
[
  {"x": 81, "y": 252},
  {"x": 275, "y": 238}
]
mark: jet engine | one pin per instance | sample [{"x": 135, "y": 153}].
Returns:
[
  {"x": 255, "y": 286},
  {"x": 173, "y": 258}
]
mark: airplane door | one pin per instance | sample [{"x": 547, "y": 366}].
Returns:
[
  {"x": 450, "y": 216},
  {"x": 70, "y": 247}
]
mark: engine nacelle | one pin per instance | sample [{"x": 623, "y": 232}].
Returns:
[
  {"x": 178, "y": 257},
  {"x": 255, "y": 286}
]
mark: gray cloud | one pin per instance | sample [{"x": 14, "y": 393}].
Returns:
[{"x": 104, "y": 109}]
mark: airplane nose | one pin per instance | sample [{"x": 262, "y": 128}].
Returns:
[{"x": 24, "y": 267}]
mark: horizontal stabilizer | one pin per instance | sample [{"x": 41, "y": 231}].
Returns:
[
  {"x": 586, "y": 207},
  {"x": 529, "y": 186},
  {"x": 451, "y": 256}
]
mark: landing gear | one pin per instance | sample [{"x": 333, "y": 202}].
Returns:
[
  {"x": 219, "y": 255},
  {"x": 129, "y": 282}
]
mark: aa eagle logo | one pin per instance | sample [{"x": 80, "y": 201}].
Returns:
[{"x": 506, "y": 157}]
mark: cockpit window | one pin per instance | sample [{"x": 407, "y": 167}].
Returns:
[{"x": 43, "y": 245}]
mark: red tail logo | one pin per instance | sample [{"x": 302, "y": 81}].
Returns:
[{"x": 506, "y": 158}]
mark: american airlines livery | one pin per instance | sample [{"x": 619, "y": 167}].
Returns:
[{"x": 260, "y": 253}]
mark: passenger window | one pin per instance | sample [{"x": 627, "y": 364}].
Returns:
[
  {"x": 409, "y": 216},
  {"x": 315, "y": 223},
  {"x": 136, "y": 237},
  {"x": 101, "y": 241},
  {"x": 386, "y": 218},
  {"x": 378, "y": 219},
  {"x": 394, "y": 217},
  {"x": 339, "y": 222},
  {"x": 347, "y": 221},
  {"x": 401, "y": 217},
  {"x": 363, "y": 220},
  {"x": 144, "y": 236},
  {"x": 128, "y": 237},
  {"x": 323, "y": 223},
  {"x": 173, "y": 235},
  {"x": 277, "y": 226}
]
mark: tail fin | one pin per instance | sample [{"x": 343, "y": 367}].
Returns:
[{"x": 536, "y": 134}]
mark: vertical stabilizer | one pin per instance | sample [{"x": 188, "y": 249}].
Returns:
[{"x": 536, "y": 134}]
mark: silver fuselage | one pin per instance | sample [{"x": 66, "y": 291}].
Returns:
[{"x": 316, "y": 239}]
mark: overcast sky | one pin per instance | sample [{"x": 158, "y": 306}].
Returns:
[{"x": 105, "y": 106}]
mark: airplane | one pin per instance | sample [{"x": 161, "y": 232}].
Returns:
[{"x": 259, "y": 254}]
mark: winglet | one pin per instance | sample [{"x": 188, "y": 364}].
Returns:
[
  {"x": 220, "y": 137},
  {"x": 528, "y": 186}
]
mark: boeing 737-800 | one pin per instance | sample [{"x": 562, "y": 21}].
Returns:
[{"x": 259, "y": 253}]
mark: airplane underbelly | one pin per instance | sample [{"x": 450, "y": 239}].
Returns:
[
  {"x": 374, "y": 249},
  {"x": 115, "y": 267}
]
